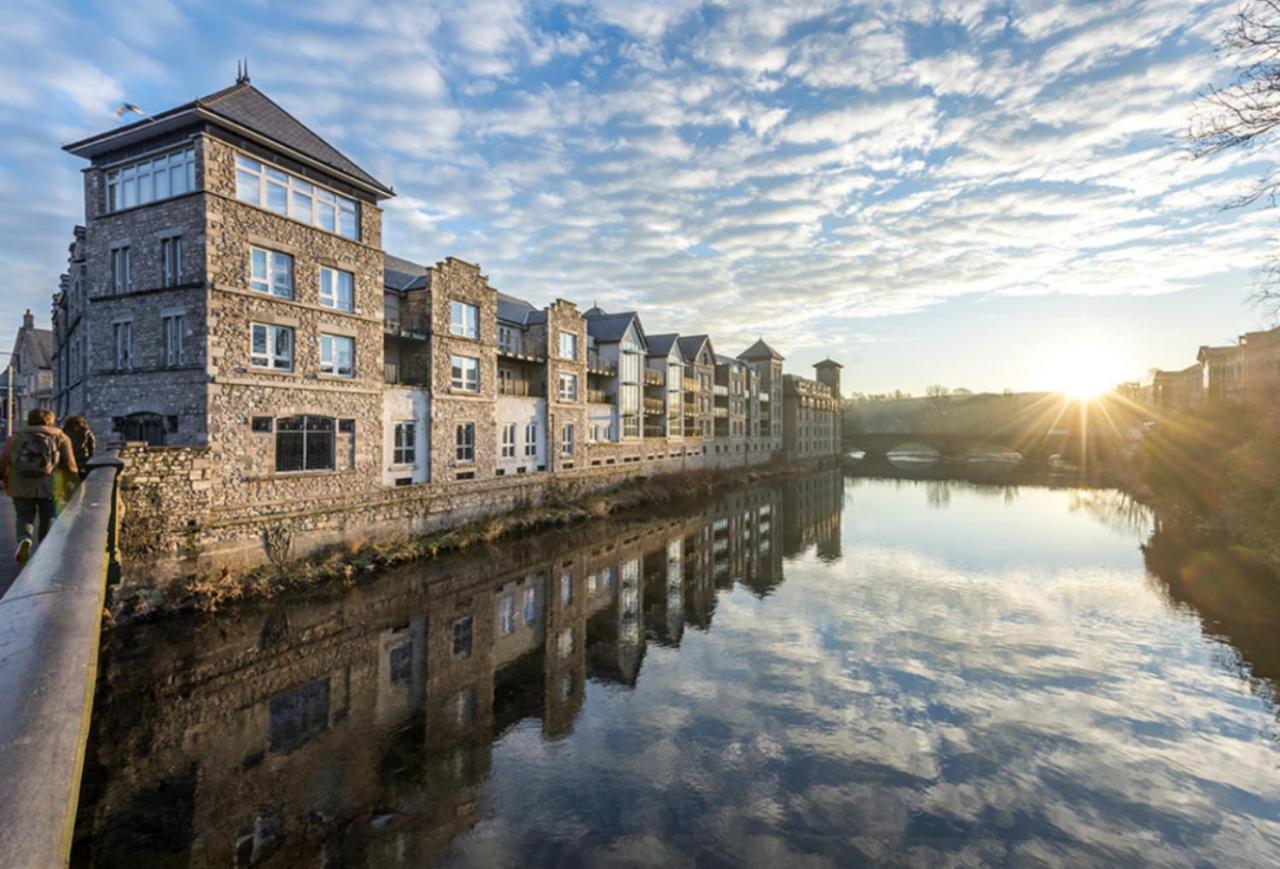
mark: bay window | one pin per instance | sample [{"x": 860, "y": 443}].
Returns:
[{"x": 151, "y": 180}]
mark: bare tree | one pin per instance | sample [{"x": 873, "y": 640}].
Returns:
[{"x": 1244, "y": 112}]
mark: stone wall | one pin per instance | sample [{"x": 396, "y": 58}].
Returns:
[{"x": 179, "y": 519}]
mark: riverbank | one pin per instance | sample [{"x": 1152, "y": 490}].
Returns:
[{"x": 353, "y": 564}]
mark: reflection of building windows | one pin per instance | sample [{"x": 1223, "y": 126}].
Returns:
[
  {"x": 462, "y": 637},
  {"x": 567, "y": 684},
  {"x": 565, "y": 643},
  {"x": 506, "y": 615},
  {"x": 298, "y": 716},
  {"x": 530, "y": 606},
  {"x": 400, "y": 662},
  {"x": 566, "y": 590},
  {"x": 462, "y": 706}
]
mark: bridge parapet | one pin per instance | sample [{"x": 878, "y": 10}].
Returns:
[{"x": 49, "y": 625}]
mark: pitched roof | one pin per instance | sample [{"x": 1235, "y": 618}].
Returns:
[
  {"x": 399, "y": 273},
  {"x": 691, "y": 345},
  {"x": 660, "y": 345},
  {"x": 610, "y": 328},
  {"x": 245, "y": 108},
  {"x": 41, "y": 343},
  {"x": 760, "y": 350},
  {"x": 827, "y": 363},
  {"x": 514, "y": 310}
]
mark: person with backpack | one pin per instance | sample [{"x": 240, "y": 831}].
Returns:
[
  {"x": 27, "y": 465},
  {"x": 83, "y": 443}
]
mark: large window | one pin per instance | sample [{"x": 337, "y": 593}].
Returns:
[
  {"x": 272, "y": 346},
  {"x": 464, "y": 320},
  {"x": 466, "y": 442},
  {"x": 338, "y": 355},
  {"x": 152, "y": 180},
  {"x": 171, "y": 261},
  {"x": 531, "y": 439},
  {"x": 271, "y": 272},
  {"x": 465, "y": 373},
  {"x": 122, "y": 336},
  {"x": 174, "y": 326},
  {"x": 337, "y": 289},
  {"x": 304, "y": 443},
  {"x": 404, "y": 451},
  {"x": 121, "y": 270},
  {"x": 509, "y": 441},
  {"x": 268, "y": 187},
  {"x": 568, "y": 345},
  {"x": 568, "y": 390}
]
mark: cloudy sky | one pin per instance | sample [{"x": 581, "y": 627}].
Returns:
[{"x": 931, "y": 192}]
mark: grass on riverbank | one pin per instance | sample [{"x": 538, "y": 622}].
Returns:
[{"x": 363, "y": 561}]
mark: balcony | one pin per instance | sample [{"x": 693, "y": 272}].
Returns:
[
  {"x": 655, "y": 431},
  {"x": 394, "y": 375},
  {"x": 653, "y": 377},
  {"x": 408, "y": 320},
  {"x": 522, "y": 388},
  {"x": 528, "y": 351},
  {"x": 599, "y": 396},
  {"x": 597, "y": 365},
  {"x": 654, "y": 406},
  {"x": 690, "y": 384},
  {"x": 720, "y": 391},
  {"x": 722, "y": 413},
  {"x": 764, "y": 397}
]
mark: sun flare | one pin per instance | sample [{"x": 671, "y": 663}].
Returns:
[{"x": 1082, "y": 372}]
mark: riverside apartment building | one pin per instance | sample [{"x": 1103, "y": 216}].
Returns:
[{"x": 229, "y": 291}]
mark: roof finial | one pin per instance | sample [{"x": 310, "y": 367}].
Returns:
[{"x": 242, "y": 71}]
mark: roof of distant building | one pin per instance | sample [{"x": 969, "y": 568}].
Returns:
[
  {"x": 760, "y": 350},
  {"x": 401, "y": 274},
  {"x": 242, "y": 108},
  {"x": 827, "y": 363},
  {"x": 660, "y": 345},
  {"x": 691, "y": 345},
  {"x": 610, "y": 328},
  {"x": 515, "y": 310}
]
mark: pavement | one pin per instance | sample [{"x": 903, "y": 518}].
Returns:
[{"x": 8, "y": 543}]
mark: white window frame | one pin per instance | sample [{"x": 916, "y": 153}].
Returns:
[
  {"x": 464, "y": 319},
  {"x": 329, "y": 359},
  {"x": 266, "y": 186},
  {"x": 277, "y": 272},
  {"x": 171, "y": 260},
  {"x": 404, "y": 443},
  {"x": 506, "y": 615},
  {"x": 458, "y": 369},
  {"x": 465, "y": 442},
  {"x": 508, "y": 441},
  {"x": 569, "y": 347},
  {"x": 270, "y": 359},
  {"x": 175, "y": 327},
  {"x": 571, "y": 392},
  {"x": 333, "y": 297},
  {"x": 159, "y": 177},
  {"x": 531, "y": 440},
  {"x": 121, "y": 270},
  {"x": 122, "y": 342},
  {"x": 566, "y": 439}
]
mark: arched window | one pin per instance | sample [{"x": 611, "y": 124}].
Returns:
[{"x": 304, "y": 443}]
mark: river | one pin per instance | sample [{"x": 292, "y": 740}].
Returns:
[{"x": 829, "y": 671}]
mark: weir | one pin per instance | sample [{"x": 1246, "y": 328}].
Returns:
[{"x": 49, "y": 625}]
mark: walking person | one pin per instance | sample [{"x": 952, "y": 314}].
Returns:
[
  {"x": 83, "y": 444},
  {"x": 27, "y": 465}
]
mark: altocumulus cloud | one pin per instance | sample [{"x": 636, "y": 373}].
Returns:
[{"x": 801, "y": 164}]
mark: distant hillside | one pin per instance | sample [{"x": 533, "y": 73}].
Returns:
[{"x": 982, "y": 413}]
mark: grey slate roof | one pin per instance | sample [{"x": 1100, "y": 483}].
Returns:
[
  {"x": 514, "y": 310},
  {"x": 760, "y": 350},
  {"x": 399, "y": 273},
  {"x": 691, "y": 345},
  {"x": 245, "y": 105},
  {"x": 660, "y": 345},
  {"x": 609, "y": 328}
]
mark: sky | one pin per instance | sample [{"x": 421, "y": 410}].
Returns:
[{"x": 969, "y": 194}]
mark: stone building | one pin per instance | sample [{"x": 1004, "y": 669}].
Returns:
[
  {"x": 1222, "y": 370},
  {"x": 731, "y": 405},
  {"x": 28, "y": 380},
  {"x": 1177, "y": 390},
  {"x": 1261, "y": 363},
  {"x": 71, "y": 331},
  {"x": 811, "y": 414},
  {"x": 767, "y": 363},
  {"x": 700, "y": 358}
]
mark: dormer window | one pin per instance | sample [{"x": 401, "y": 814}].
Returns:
[{"x": 152, "y": 180}]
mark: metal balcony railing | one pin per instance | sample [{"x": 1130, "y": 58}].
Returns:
[
  {"x": 654, "y": 406},
  {"x": 690, "y": 384},
  {"x": 411, "y": 319},
  {"x": 598, "y": 365},
  {"x": 653, "y": 377},
  {"x": 599, "y": 396},
  {"x": 764, "y": 396},
  {"x": 722, "y": 413},
  {"x": 720, "y": 391}
]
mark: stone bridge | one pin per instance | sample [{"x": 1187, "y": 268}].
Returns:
[{"x": 959, "y": 445}]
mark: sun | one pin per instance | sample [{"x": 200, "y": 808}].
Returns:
[{"x": 1082, "y": 371}]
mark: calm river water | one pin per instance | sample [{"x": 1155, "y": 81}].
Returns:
[{"x": 825, "y": 672}]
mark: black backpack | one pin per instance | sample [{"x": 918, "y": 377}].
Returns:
[{"x": 37, "y": 454}]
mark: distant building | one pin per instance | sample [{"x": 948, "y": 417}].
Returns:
[
  {"x": 811, "y": 425},
  {"x": 1261, "y": 363},
  {"x": 31, "y": 370},
  {"x": 1222, "y": 372},
  {"x": 1178, "y": 390}
]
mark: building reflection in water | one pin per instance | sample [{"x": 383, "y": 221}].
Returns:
[{"x": 358, "y": 730}]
